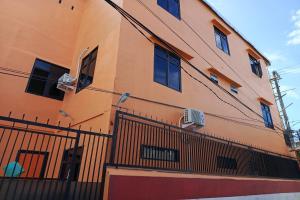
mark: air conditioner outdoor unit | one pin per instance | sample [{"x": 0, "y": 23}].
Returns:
[
  {"x": 193, "y": 118},
  {"x": 66, "y": 83}
]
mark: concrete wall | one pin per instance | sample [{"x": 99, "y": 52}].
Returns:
[
  {"x": 29, "y": 30},
  {"x": 141, "y": 184},
  {"x": 135, "y": 74},
  {"x": 58, "y": 34}
]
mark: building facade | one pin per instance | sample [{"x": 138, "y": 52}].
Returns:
[
  {"x": 169, "y": 55},
  {"x": 124, "y": 61}
]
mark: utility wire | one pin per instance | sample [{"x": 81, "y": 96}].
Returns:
[
  {"x": 131, "y": 19},
  {"x": 25, "y": 75},
  {"x": 199, "y": 36}
]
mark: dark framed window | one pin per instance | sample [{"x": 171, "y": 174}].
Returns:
[
  {"x": 226, "y": 163},
  {"x": 66, "y": 162},
  {"x": 266, "y": 112},
  {"x": 158, "y": 153},
  {"x": 167, "y": 69},
  {"x": 172, "y": 6},
  {"x": 221, "y": 40},
  {"x": 214, "y": 78},
  {"x": 43, "y": 80},
  {"x": 33, "y": 163},
  {"x": 234, "y": 89},
  {"x": 255, "y": 66},
  {"x": 87, "y": 70}
]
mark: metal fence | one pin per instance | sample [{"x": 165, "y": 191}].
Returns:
[
  {"x": 42, "y": 161},
  {"x": 144, "y": 143}
]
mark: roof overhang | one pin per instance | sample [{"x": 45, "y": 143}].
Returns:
[
  {"x": 224, "y": 77},
  {"x": 179, "y": 51},
  {"x": 265, "y": 101},
  {"x": 268, "y": 63},
  {"x": 220, "y": 26}
]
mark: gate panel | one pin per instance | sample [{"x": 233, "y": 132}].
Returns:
[{"x": 42, "y": 161}]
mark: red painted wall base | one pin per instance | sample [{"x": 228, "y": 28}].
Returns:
[{"x": 140, "y": 188}]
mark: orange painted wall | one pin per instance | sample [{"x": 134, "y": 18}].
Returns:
[
  {"x": 29, "y": 30},
  {"x": 99, "y": 26},
  {"x": 135, "y": 73},
  {"x": 53, "y": 32}
]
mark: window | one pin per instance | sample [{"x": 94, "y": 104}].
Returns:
[
  {"x": 167, "y": 70},
  {"x": 234, "y": 89},
  {"x": 66, "y": 164},
  {"x": 43, "y": 80},
  {"x": 226, "y": 163},
  {"x": 255, "y": 66},
  {"x": 172, "y": 6},
  {"x": 158, "y": 153},
  {"x": 221, "y": 41},
  {"x": 33, "y": 163},
  {"x": 86, "y": 74},
  {"x": 267, "y": 115},
  {"x": 214, "y": 78}
]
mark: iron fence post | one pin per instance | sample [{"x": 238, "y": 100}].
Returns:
[
  {"x": 114, "y": 138},
  {"x": 72, "y": 166}
]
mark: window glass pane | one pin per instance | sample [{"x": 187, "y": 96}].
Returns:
[
  {"x": 38, "y": 79},
  {"x": 218, "y": 41},
  {"x": 160, "y": 70},
  {"x": 42, "y": 65},
  {"x": 161, "y": 52},
  {"x": 255, "y": 66},
  {"x": 174, "y": 8},
  {"x": 225, "y": 44},
  {"x": 44, "y": 78},
  {"x": 87, "y": 70},
  {"x": 267, "y": 116},
  {"x": 163, "y": 3},
  {"x": 174, "y": 76},
  {"x": 174, "y": 59}
]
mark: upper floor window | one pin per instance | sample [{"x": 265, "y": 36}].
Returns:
[
  {"x": 88, "y": 65},
  {"x": 234, "y": 89},
  {"x": 267, "y": 115},
  {"x": 167, "y": 70},
  {"x": 172, "y": 6},
  {"x": 43, "y": 80},
  {"x": 255, "y": 66},
  {"x": 221, "y": 40},
  {"x": 214, "y": 78}
]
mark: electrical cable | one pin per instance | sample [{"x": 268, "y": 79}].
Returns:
[
  {"x": 199, "y": 36},
  {"x": 37, "y": 77},
  {"x": 131, "y": 19}
]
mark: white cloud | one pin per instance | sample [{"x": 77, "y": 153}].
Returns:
[
  {"x": 291, "y": 71},
  {"x": 291, "y": 93},
  {"x": 294, "y": 36},
  {"x": 275, "y": 56}
]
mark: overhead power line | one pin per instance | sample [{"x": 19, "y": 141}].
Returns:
[
  {"x": 202, "y": 39},
  {"x": 137, "y": 24},
  {"x": 25, "y": 75}
]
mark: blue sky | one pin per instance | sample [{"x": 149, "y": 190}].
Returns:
[{"x": 274, "y": 28}]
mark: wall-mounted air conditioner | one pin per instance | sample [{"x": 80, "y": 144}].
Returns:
[
  {"x": 66, "y": 83},
  {"x": 193, "y": 118}
]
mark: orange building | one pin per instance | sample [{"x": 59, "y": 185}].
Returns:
[{"x": 192, "y": 58}]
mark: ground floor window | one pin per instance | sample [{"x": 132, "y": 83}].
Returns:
[
  {"x": 158, "y": 153},
  {"x": 226, "y": 163},
  {"x": 67, "y": 163}
]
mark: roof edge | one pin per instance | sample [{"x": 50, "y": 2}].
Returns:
[{"x": 235, "y": 31}]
